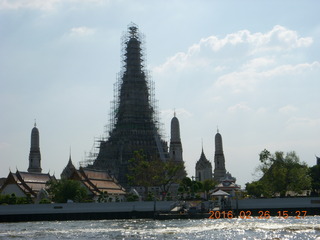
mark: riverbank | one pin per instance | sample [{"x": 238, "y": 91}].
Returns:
[{"x": 245, "y": 208}]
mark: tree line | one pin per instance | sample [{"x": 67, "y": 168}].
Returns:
[{"x": 284, "y": 175}]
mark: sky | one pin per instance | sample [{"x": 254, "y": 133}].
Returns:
[{"x": 248, "y": 68}]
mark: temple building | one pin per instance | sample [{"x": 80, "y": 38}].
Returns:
[
  {"x": 228, "y": 185},
  {"x": 25, "y": 184},
  {"x": 33, "y": 182},
  {"x": 134, "y": 123},
  {"x": 99, "y": 183},
  {"x": 219, "y": 161},
  {"x": 35, "y": 155},
  {"x": 175, "y": 149},
  {"x": 203, "y": 168},
  {"x": 68, "y": 170}
]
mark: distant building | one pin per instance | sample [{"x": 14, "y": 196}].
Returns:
[
  {"x": 219, "y": 161},
  {"x": 68, "y": 170},
  {"x": 35, "y": 155},
  {"x": 203, "y": 168},
  {"x": 24, "y": 184},
  {"x": 30, "y": 183},
  {"x": 318, "y": 160},
  {"x": 133, "y": 123},
  {"x": 2, "y": 180},
  {"x": 99, "y": 182},
  {"x": 228, "y": 185},
  {"x": 175, "y": 149}
]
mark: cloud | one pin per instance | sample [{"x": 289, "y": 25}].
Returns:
[
  {"x": 239, "y": 107},
  {"x": 236, "y": 46},
  {"x": 44, "y": 5},
  {"x": 81, "y": 31},
  {"x": 303, "y": 122},
  {"x": 180, "y": 113},
  {"x": 250, "y": 74},
  {"x": 31, "y": 4},
  {"x": 288, "y": 109}
]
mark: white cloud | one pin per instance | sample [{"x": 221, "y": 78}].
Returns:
[
  {"x": 258, "y": 63},
  {"x": 41, "y": 4},
  {"x": 81, "y": 31},
  {"x": 288, "y": 109},
  {"x": 237, "y": 45},
  {"x": 249, "y": 75},
  {"x": 242, "y": 107},
  {"x": 298, "y": 122},
  {"x": 33, "y": 4},
  {"x": 180, "y": 113}
]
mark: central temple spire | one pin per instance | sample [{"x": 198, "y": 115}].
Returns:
[{"x": 134, "y": 124}]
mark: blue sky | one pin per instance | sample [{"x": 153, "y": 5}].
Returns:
[{"x": 249, "y": 67}]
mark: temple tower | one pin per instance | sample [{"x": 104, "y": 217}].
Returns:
[
  {"x": 133, "y": 118},
  {"x": 34, "y": 155},
  {"x": 68, "y": 170},
  {"x": 203, "y": 168},
  {"x": 219, "y": 161},
  {"x": 175, "y": 149}
]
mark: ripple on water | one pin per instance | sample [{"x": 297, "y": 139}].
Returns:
[{"x": 273, "y": 228}]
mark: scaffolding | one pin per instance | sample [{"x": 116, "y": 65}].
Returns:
[
  {"x": 114, "y": 104},
  {"x": 134, "y": 119}
]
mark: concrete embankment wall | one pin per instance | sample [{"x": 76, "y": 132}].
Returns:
[
  {"x": 276, "y": 203},
  {"x": 82, "y": 211},
  {"x": 278, "y": 206}
]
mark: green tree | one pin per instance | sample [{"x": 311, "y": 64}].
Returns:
[
  {"x": 65, "y": 189},
  {"x": 154, "y": 173},
  {"x": 208, "y": 185},
  {"x": 281, "y": 173},
  {"x": 314, "y": 173},
  {"x": 141, "y": 172},
  {"x": 13, "y": 199},
  {"x": 256, "y": 189},
  {"x": 103, "y": 197},
  {"x": 190, "y": 187}
]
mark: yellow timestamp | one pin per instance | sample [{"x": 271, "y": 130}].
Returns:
[{"x": 260, "y": 214}]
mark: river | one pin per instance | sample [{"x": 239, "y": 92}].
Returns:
[{"x": 235, "y": 228}]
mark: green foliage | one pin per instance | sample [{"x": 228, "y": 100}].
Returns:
[
  {"x": 103, "y": 197},
  {"x": 65, "y": 189},
  {"x": 132, "y": 197},
  {"x": 44, "y": 201},
  {"x": 208, "y": 185},
  {"x": 12, "y": 199},
  {"x": 314, "y": 173},
  {"x": 281, "y": 173},
  {"x": 154, "y": 173},
  {"x": 190, "y": 187},
  {"x": 257, "y": 189}
]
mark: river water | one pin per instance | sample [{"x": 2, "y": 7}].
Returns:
[{"x": 236, "y": 228}]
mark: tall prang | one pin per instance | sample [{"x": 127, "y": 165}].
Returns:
[
  {"x": 219, "y": 161},
  {"x": 35, "y": 155},
  {"x": 134, "y": 123},
  {"x": 175, "y": 149}
]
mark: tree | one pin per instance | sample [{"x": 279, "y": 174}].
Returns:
[
  {"x": 13, "y": 199},
  {"x": 65, "y": 189},
  {"x": 256, "y": 189},
  {"x": 314, "y": 173},
  {"x": 154, "y": 173},
  {"x": 103, "y": 197},
  {"x": 190, "y": 187},
  {"x": 281, "y": 173},
  {"x": 208, "y": 185}
]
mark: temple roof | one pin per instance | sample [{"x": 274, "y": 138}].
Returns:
[
  {"x": 98, "y": 181},
  {"x": 203, "y": 162},
  {"x": 29, "y": 183}
]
